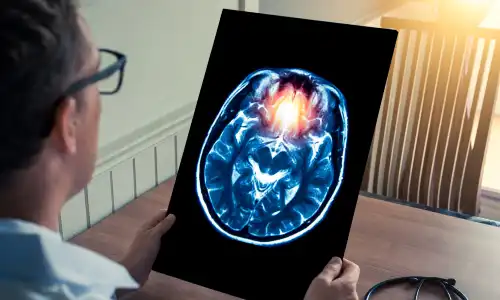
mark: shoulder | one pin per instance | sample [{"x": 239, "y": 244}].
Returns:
[
  {"x": 36, "y": 263},
  {"x": 17, "y": 290}
]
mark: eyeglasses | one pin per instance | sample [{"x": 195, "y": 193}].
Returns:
[{"x": 109, "y": 77}]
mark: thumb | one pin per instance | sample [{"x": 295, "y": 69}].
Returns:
[
  {"x": 165, "y": 225},
  {"x": 331, "y": 270}
]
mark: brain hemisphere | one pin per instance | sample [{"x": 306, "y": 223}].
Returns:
[{"x": 270, "y": 170}]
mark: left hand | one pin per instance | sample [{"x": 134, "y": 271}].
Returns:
[{"x": 144, "y": 249}]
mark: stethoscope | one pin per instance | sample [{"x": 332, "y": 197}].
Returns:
[{"x": 447, "y": 285}]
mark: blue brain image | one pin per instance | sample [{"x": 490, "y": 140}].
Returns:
[{"x": 273, "y": 159}]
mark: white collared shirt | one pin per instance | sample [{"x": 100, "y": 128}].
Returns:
[{"x": 36, "y": 264}]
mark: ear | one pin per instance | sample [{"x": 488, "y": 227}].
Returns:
[{"x": 64, "y": 132}]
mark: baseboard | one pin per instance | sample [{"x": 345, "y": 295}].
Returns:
[{"x": 490, "y": 193}]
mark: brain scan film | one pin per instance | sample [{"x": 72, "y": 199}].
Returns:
[{"x": 273, "y": 159}]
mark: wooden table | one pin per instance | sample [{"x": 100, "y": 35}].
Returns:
[{"x": 386, "y": 240}]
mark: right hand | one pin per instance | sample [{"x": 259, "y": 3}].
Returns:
[{"x": 337, "y": 281}]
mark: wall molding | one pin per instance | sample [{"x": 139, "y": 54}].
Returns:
[
  {"x": 379, "y": 12},
  {"x": 248, "y": 5},
  {"x": 490, "y": 193},
  {"x": 143, "y": 138}
]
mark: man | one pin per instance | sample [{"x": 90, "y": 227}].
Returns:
[{"x": 49, "y": 118}]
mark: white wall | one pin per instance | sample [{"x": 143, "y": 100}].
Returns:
[
  {"x": 168, "y": 43},
  {"x": 343, "y": 11},
  {"x": 497, "y": 106}
]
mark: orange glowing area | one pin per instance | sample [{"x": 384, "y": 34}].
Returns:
[
  {"x": 288, "y": 114},
  {"x": 289, "y": 111}
]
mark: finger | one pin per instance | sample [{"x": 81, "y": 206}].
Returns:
[
  {"x": 350, "y": 272},
  {"x": 331, "y": 270},
  {"x": 155, "y": 220},
  {"x": 165, "y": 225}
]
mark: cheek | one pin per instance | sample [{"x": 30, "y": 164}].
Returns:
[
  {"x": 98, "y": 110},
  {"x": 96, "y": 123},
  {"x": 97, "y": 104},
  {"x": 92, "y": 119},
  {"x": 94, "y": 115}
]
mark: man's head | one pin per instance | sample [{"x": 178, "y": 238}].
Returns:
[{"x": 45, "y": 48}]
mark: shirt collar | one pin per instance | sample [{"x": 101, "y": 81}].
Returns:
[{"x": 30, "y": 252}]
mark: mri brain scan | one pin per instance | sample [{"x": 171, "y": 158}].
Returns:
[{"x": 273, "y": 159}]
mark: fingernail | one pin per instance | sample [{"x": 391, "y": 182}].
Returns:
[{"x": 336, "y": 260}]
